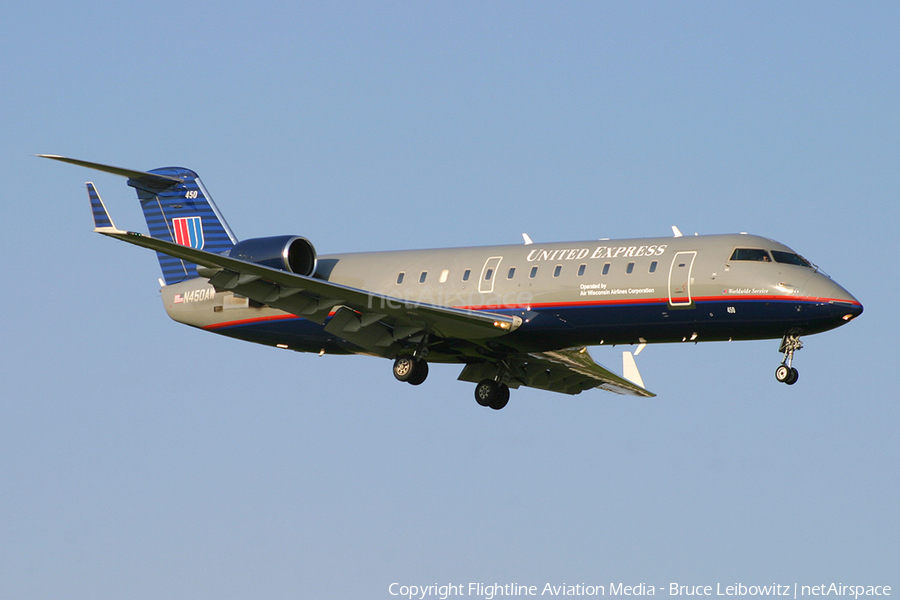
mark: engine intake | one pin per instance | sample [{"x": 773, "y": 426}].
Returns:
[{"x": 284, "y": 252}]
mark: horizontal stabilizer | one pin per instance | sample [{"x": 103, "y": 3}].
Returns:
[{"x": 148, "y": 180}]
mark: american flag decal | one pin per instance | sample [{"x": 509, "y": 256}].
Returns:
[{"x": 188, "y": 232}]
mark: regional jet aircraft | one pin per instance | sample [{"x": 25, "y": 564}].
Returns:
[{"x": 516, "y": 315}]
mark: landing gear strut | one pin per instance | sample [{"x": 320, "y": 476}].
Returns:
[
  {"x": 491, "y": 393},
  {"x": 786, "y": 373}
]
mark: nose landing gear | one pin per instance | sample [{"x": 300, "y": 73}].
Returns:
[{"x": 786, "y": 373}]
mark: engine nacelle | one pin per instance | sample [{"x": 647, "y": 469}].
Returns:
[{"x": 284, "y": 252}]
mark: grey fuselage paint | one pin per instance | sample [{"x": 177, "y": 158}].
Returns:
[{"x": 653, "y": 290}]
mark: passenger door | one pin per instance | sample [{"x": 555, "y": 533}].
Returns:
[
  {"x": 680, "y": 279},
  {"x": 488, "y": 275}
]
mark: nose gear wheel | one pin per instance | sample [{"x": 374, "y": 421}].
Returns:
[{"x": 786, "y": 373}]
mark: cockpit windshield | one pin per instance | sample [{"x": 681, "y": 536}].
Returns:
[
  {"x": 789, "y": 258},
  {"x": 757, "y": 254},
  {"x": 761, "y": 255}
]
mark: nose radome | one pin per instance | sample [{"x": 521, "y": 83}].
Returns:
[{"x": 843, "y": 304}]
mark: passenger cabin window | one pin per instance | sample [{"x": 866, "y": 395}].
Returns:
[
  {"x": 444, "y": 274},
  {"x": 400, "y": 277},
  {"x": 755, "y": 254},
  {"x": 581, "y": 269},
  {"x": 466, "y": 274},
  {"x": 512, "y": 273},
  {"x": 653, "y": 266},
  {"x": 533, "y": 272},
  {"x": 606, "y": 269},
  {"x": 557, "y": 270},
  {"x": 789, "y": 258},
  {"x": 630, "y": 268},
  {"x": 423, "y": 276}
]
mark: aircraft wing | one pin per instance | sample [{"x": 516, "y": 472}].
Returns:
[
  {"x": 360, "y": 315},
  {"x": 570, "y": 371},
  {"x": 374, "y": 321}
]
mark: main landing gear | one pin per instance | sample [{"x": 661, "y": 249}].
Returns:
[
  {"x": 492, "y": 393},
  {"x": 414, "y": 370},
  {"x": 410, "y": 369},
  {"x": 786, "y": 373}
]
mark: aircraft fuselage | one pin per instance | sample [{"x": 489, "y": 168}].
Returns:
[{"x": 653, "y": 290}]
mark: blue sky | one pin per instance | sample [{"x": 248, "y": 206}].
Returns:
[{"x": 143, "y": 459}]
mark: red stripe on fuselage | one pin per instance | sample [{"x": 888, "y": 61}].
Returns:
[
  {"x": 551, "y": 305},
  {"x": 634, "y": 301},
  {"x": 252, "y": 321}
]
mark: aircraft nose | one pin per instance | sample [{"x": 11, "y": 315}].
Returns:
[
  {"x": 842, "y": 303},
  {"x": 847, "y": 311}
]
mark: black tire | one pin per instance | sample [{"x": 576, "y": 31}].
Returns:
[
  {"x": 502, "y": 397},
  {"x": 794, "y": 376},
  {"x": 486, "y": 392},
  {"x": 405, "y": 367},
  {"x": 783, "y": 373},
  {"x": 420, "y": 373}
]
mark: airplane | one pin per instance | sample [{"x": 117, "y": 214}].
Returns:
[{"x": 510, "y": 315}]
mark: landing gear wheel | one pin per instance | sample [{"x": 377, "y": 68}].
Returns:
[
  {"x": 793, "y": 377},
  {"x": 502, "y": 397},
  {"x": 487, "y": 392},
  {"x": 405, "y": 367},
  {"x": 783, "y": 373},
  {"x": 786, "y": 374},
  {"x": 419, "y": 374},
  {"x": 492, "y": 394}
]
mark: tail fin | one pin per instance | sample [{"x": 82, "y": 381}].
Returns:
[
  {"x": 177, "y": 208},
  {"x": 183, "y": 213}
]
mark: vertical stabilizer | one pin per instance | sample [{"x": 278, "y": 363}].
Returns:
[
  {"x": 182, "y": 213},
  {"x": 176, "y": 206}
]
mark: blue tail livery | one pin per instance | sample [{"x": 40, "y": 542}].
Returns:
[{"x": 177, "y": 209}]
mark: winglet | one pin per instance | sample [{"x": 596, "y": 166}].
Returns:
[
  {"x": 630, "y": 370},
  {"x": 102, "y": 221}
]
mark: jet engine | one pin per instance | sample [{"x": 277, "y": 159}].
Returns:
[{"x": 284, "y": 252}]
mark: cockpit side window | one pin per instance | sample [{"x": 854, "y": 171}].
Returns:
[
  {"x": 789, "y": 258},
  {"x": 756, "y": 254}
]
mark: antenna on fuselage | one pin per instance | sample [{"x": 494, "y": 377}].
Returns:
[
  {"x": 676, "y": 231},
  {"x": 527, "y": 239}
]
